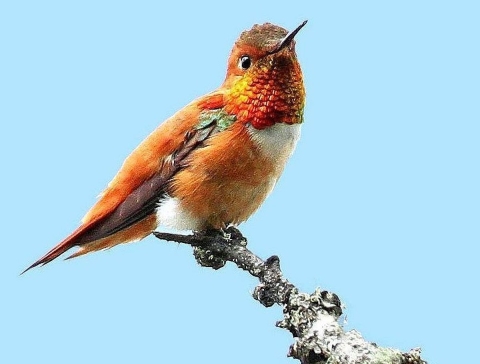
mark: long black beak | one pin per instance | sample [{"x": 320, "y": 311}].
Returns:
[{"x": 285, "y": 42}]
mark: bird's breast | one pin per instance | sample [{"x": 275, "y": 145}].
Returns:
[
  {"x": 225, "y": 181},
  {"x": 277, "y": 142}
]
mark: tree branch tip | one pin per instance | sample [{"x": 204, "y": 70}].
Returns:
[
  {"x": 312, "y": 319},
  {"x": 273, "y": 260}
]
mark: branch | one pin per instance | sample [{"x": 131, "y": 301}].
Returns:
[{"x": 312, "y": 319}]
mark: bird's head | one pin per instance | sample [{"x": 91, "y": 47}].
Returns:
[{"x": 264, "y": 83}]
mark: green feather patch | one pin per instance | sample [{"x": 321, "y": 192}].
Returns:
[{"x": 218, "y": 117}]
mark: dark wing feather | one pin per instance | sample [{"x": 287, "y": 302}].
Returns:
[{"x": 143, "y": 201}]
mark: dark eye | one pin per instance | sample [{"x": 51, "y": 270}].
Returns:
[{"x": 244, "y": 62}]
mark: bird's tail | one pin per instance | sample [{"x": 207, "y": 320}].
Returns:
[
  {"x": 89, "y": 240},
  {"x": 66, "y": 244}
]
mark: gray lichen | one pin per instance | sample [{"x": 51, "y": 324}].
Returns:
[{"x": 312, "y": 319}]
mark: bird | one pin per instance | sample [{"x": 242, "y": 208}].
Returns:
[{"x": 214, "y": 162}]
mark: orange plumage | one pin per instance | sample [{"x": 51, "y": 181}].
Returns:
[{"x": 212, "y": 163}]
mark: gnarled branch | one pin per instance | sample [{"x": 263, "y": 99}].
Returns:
[{"x": 311, "y": 318}]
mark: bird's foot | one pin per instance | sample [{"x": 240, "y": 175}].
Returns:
[
  {"x": 228, "y": 233},
  {"x": 205, "y": 256}
]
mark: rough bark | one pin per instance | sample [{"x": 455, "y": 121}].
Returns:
[{"x": 312, "y": 319}]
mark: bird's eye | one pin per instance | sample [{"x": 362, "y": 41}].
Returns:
[{"x": 244, "y": 62}]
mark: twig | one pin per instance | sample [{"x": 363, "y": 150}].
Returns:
[{"x": 311, "y": 318}]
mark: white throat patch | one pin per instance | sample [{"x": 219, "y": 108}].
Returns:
[{"x": 277, "y": 141}]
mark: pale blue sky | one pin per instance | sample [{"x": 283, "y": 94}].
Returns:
[{"x": 380, "y": 202}]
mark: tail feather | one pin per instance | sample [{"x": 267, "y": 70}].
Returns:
[
  {"x": 81, "y": 237},
  {"x": 68, "y": 243}
]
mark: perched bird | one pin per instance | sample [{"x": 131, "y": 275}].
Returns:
[{"x": 212, "y": 163}]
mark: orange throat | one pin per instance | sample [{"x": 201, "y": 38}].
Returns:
[{"x": 267, "y": 97}]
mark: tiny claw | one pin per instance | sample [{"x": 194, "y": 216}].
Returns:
[{"x": 211, "y": 233}]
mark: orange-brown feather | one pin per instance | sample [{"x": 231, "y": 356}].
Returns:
[
  {"x": 61, "y": 247},
  {"x": 232, "y": 188},
  {"x": 140, "y": 165},
  {"x": 135, "y": 232},
  {"x": 229, "y": 189},
  {"x": 148, "y": 157}
]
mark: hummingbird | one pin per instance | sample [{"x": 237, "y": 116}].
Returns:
[{"x": 213, "y": 163}]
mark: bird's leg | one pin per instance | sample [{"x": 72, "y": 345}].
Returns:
[
  {"x": 210, "y": 233},
  {"x": 228, "y": 232},
  {"x": 235, "y": 234}
]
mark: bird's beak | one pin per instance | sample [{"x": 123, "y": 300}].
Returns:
[{"x": 285, "y": 42}]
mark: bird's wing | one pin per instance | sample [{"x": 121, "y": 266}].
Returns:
[
  {"x": 142, "y": 201},
  {"x": 148, "y": 158},
  {"x": 133, "y": 193}
]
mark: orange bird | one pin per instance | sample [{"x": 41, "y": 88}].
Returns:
[{"x": 212, "y": 163}]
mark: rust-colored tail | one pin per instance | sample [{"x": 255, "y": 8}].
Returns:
[
  {"x": 91, "y": 237},
  {"x": 68, "y": 243}
]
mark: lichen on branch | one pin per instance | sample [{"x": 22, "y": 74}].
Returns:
[{"x": 312, "y": 319}]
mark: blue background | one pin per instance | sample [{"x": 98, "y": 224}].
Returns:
[{"x": 380, "y": 202}]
